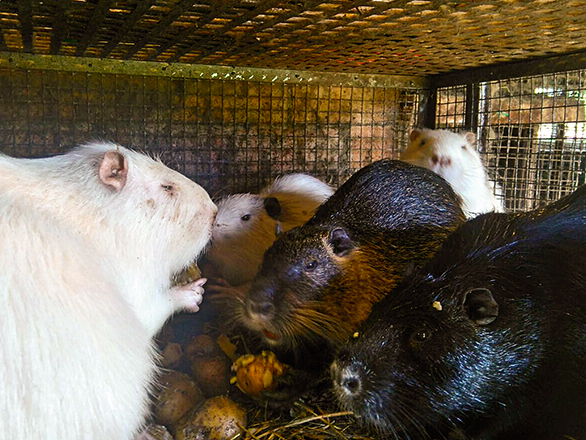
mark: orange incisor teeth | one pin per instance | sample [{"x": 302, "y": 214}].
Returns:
[{"x": 270, "y": 335}]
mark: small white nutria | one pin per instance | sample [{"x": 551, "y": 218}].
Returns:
[
  {"x": 454, "y": 157},
  {"x": 90, "y": 242},
  {"x": 246, "y": 224}
]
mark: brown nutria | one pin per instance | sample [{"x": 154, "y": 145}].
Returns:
[
  {"x": 318, "y": 282},
  {"x": 487, "y": 340}
]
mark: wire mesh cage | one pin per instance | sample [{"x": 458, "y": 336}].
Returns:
[
  {"x": 532, "y": 132},
  {"x": 233, "y": 93},
  {"x": 227, "y": 135}
]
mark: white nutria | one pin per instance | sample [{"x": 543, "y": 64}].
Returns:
[
  {"x": 90, "y": 240},
  {"x": 246, "y": 224},
  {"x": 454, "y": 157}
]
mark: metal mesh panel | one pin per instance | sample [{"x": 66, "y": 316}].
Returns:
[
  {"x": 451, "y": 107},
  {"x": 532, "y": 132},
  {"x": 407, "y": 37},
  {"x": 227, "y": 135}
]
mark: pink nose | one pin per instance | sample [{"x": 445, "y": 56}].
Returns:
[{"x": 441, "y": 160}]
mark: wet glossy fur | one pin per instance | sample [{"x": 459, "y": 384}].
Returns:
[{"x": 416, "y": 370}]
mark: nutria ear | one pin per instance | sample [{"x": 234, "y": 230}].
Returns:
[
  {"x": 340, "y": 241},
  {"x": 273, "y": 207},
  {"x": 480, "y": 306},
  {"x": 113, "y": 170},
  {"x": 471, "y": 139},
  {"x": 415, "y": 134}
]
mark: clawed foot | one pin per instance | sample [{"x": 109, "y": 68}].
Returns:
[
  {"x": 190, "y": 296},
  {"x": 220, "y": 290}
]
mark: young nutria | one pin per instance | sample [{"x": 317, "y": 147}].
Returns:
[
  {"x": 245, "y": 225},
  {"x": 487, "y": 340},
  {"x": 318, "y": 282}
]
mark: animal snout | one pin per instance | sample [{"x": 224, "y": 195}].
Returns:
[
  {"x": 347, "y": 379},
  {"x": 442, "y": 161},
  {"x": 262, "y": 310},
  {"x": 260, "y": 303}
]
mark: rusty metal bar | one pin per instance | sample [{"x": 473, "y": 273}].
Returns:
[
  {"x": 162, "y": 27},
  {"x": 181, "y": 70},
  {"x": 25, "y": 15},
  {"x": 141, "y": 8},
  {"x": 59, "y": 24},
  {"x": 97, "y": 18}
]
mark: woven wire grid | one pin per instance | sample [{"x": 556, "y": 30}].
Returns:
[
  {"x": 451, "y": 108},
  {"x": 229, "y": 136},
  {"x": 406, "y": 37},
  {"x": 532, "y": 133}
]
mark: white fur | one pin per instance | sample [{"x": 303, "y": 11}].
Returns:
[
  {"x": 238, "y": 246},
  {"x": 454, "y": 157},
  {"x": 84, "y": 285}
]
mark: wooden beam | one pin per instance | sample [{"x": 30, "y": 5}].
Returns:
[{"x": 18, "y": 60}]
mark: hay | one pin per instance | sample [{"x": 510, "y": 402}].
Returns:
[{"x": 307, "y": 422}]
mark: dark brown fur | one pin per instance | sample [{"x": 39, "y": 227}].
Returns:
[
  {"x": 370, "y": 272},
  {"x": 317, "y": 283}
]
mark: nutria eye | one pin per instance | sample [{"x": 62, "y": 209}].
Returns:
[
  {"x": 311, "y": 265},
  {"x": 420, "y": 336},
  {"x": 463, "y": 147},
  {"x": 245, "y": 217}
]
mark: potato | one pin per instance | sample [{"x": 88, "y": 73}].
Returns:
[
  {"x": 165, "y": 335},
  {"x": 201, "y": 345},
  {"x": 178, "y": 394},
  {"x": 171, "y": 355},
  {"x": 218, "y": 418},
  {"x": 157, "y": 432},
  {"x": 256, "y": 373},
  {"x": 212, "y": 374}
]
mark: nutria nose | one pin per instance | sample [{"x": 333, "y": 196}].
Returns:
[
  {"x": 443, "y": 161},
  {"x": 263, "y": 309},
  {"x": 347, "y": 379}
]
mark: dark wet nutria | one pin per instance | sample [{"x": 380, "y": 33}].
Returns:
[
  {"x": 317, "y": 283},
  {"x": 487, "y": 340}
]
